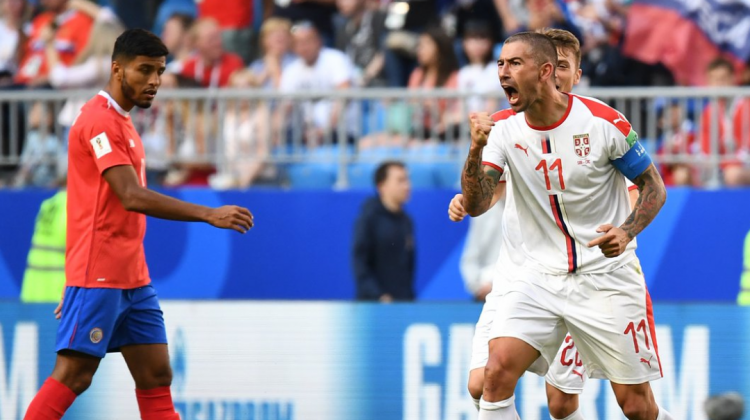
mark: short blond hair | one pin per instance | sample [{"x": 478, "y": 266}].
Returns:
[
  {"x": 564, "y": 40},
  {"x": 271, "y": 25}
]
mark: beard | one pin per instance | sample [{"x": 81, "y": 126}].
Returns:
[{"x": 130, "y": 95}]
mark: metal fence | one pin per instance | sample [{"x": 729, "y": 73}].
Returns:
[{"x": 335, "y": 138}]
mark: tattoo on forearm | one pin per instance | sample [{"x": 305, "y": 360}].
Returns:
[
  {"x": 478, "y": 183},
  {"x": 650, "y": 201}
]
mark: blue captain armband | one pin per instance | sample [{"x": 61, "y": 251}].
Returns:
[{"x": 634, "y": 162}]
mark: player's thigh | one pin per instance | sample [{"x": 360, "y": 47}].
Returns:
[
  {"x": 75, "y": 370},
  {"x": 634, "y": 395},
  {"x": 148, "y": 364},
  {"x": 567, "y": 372},
  {"x": 529, "y": 313},
  {"x": 611, "y": 320},
  {"x": 480, "y": 341}
]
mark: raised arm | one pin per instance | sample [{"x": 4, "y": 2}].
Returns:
[
  {"x": 651, "y": 198},
  {"x": 134, "y": 197},
  {"x": 478, "y": 181}
]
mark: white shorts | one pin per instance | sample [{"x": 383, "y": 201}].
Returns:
[
  {"x": 609, "y": 316},
  {"x": 565, "y": 373}
]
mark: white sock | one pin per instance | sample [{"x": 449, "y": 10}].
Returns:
[
  {"x": 501, "y": 410},
  {"x": 664, "y": 415},
  {"x": 476, "y": 403},
  {"x": 577, "y": 415}
]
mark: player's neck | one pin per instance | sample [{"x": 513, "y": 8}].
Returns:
[
  {"x": 117, "y": 96},
  {"x": 548, "y": 110}
]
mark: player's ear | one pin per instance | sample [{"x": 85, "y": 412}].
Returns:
[
  {"x": 546, "y": 71},
  {"x": 116, "y": 70},
  {"x": 577, "y": 77}
]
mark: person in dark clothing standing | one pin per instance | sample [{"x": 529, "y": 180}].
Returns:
[{"x": 383, "y": 252}]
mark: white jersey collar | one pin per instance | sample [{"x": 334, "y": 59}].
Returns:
[{"x": 114, "y": 104}]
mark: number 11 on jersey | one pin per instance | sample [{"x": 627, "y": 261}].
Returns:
[{"x": 557, "y": 164}]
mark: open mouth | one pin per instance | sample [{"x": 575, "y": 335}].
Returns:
[{"x": 512, "y": 94}]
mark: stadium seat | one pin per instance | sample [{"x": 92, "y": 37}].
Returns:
[
  {"x": 448, "y": 175},
  {"x": 422, "y": 175},
  {"x": 311, "y": 175},
  {"x": 361, "y": 175}
]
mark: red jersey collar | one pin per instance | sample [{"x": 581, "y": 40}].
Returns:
[{"x": 114, "y": 104}]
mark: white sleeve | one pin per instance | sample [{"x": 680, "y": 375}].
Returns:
[
  {"x": 620, "y": 137},
  {"x": 80, "y": 75},
  {"x": 287, "y": 83},
  {"x": 342, "y": 70},
  {"x": 494, "y": 153}
]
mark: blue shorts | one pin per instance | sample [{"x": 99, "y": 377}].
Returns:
[{"x": 100, "y": 321}]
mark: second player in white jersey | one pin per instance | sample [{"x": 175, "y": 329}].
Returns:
[{"x": 569, "y": 177}]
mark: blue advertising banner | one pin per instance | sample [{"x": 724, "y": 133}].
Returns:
[
  {"x": 236, "y": 360},
  {"x": 301, "y": 246}
]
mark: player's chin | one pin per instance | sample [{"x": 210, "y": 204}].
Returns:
[{"x": 145, "y": 104}]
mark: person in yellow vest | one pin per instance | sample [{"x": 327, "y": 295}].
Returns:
[
  {"x": 44, "y": 278},
  {"x": 744, "y": 297}
]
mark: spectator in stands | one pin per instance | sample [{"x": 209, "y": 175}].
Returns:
[
  {"x": 361, "y": 34},
  {"x": 68, "y": 28},
  {"x": 13, "y": 14},
  {"x": 733, "y": 142},
  {"x": 480, "y": 74},
  {"x": 405, "y": 21},
  {"x": 39, "y": 159},
  {"x": 317, "y": 68},
  {"x": 92, "y": 66},
  {"x": 210, "y": 65},
  {"x": 469, "y": 13},
  {"x": 247, "y": 131},
  {"x": 276, "y": 45},
  {"x": 521, "y": 15},
  {"x": 178, "y": 40},
  {"x": 317, "y": 12},
  {"x": 437, "y": 68},
  {"x": 676, "y": 140},
  {"x": 235, "y": 18},
  {"x": 383, "y": 253}
]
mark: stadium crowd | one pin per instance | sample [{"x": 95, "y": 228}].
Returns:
[{"x": 314, "y": 45}]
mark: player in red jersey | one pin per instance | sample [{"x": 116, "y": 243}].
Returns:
[{"x": 109, "y": 304}]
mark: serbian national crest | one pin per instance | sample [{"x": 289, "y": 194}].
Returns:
[{"x": 582, "y": 145}]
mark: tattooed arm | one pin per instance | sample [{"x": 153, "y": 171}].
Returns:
[
  {"x": 652, "y": 196},
  {"x": 478, "y": 183}
]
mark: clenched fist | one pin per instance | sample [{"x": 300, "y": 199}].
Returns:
[
  {"x": 456, "y": 210},
  {"x": 480, "y": 124}
]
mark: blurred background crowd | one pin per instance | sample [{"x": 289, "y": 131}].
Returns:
[{"x": 337, "y": 46}]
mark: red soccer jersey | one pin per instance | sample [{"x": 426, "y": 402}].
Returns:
[
  {"x": 70, "y": 39},
  {"x": 105, "y": 241},
  {"x": 231, "y": 14},
  {"x": 212, "y": 76}
]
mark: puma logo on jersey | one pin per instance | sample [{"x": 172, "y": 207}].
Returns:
[
  {"x": 525, "y": 149},
  {"x": 575, "y": 372},
  {"x": 648, "y": 362}
]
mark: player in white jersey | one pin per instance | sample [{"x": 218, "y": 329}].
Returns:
[
  {"x": 565, "y": 155},
  {"x": 565, "y": 379}
]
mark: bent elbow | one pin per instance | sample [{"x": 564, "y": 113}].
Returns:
[{"x": 130, "y": 201}]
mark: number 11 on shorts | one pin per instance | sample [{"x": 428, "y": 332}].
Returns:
[{"x": 633, "y": 330}]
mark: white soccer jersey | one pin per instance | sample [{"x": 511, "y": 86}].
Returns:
[{"x": 564, "y": 184}]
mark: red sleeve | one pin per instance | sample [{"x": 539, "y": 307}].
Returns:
[
  {"x": 741, "y": 123},
  {"x": 81, "y": 33},
  {"x": 232, "y": 64},
  {"x": 107, "y": 145}
]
